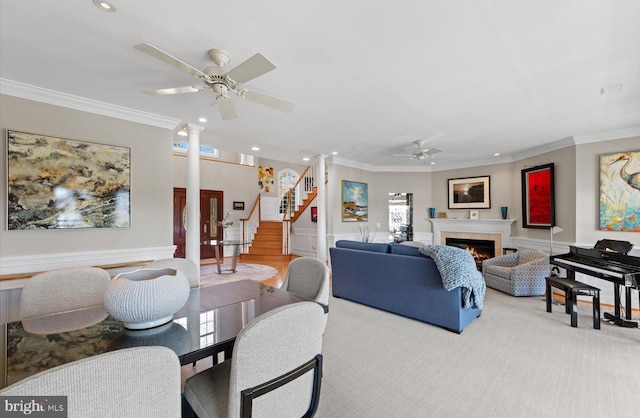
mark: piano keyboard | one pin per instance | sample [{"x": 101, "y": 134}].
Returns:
[{"x": 592, "y": 268}]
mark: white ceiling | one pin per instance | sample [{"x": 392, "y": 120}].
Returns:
[{"x": 368, "y": 77}]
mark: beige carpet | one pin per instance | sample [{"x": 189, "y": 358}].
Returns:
[
  {"x": 516, "y": 360},
  {"x": 209, "y": 274}
]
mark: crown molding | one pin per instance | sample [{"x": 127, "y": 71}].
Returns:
[
  {"x": 39, "y": 94},
  {"x": 608, "y": 136},
  {"x": 543, "y": 149}
]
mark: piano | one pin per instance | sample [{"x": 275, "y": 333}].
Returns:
[{"x": 607, "y": 260}]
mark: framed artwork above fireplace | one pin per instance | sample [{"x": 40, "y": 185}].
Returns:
[{"x": 470, "y": 193}]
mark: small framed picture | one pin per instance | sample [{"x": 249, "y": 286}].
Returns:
[
  {"x": 473, "y": 214},
  {"x": 314, "y": 214},
  {"x": 238, "y": 205}
]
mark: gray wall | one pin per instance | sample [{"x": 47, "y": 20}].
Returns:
[
  {"x": 155, "y": 171},
  {"x": 588, "y": 199},
  {"x": 151, "y": 179}
]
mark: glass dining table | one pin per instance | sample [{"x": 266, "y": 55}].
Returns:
[
  {"x": 205, "y": 326},
  {"x": 234, "y": 244}
]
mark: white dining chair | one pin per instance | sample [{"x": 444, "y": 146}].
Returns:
[
  {"x": 281, "y": 349},
  {"x": 63, "y": 290},
  {"x": 141, "y": 382}
]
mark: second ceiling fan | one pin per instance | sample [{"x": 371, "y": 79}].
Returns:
[{"x": 221, "y": 82}]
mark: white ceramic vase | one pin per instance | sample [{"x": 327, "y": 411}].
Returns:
[{"x": 146, "y": 298}]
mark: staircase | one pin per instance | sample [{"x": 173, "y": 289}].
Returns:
[
  {"x": 271, "y": 239},
  {"x": 267, "y": 243},
  {"x": 304, "y": 204}
]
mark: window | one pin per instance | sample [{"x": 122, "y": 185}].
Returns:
[{"x": 287, "y": 178}]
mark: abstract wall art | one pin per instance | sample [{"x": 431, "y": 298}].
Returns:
[
  {"x": 57, "y": 183},
  {"x": 620, "y": 192},
  {"x": 355, "y": 201},
  {"x": 538, "y": 203},
  {"x": 265, "y": 179}
]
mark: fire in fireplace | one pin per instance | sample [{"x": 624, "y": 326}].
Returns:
[{"x": 481, "y": 249}]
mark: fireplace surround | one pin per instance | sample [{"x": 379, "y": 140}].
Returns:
[{"x": 496, "y": 230}]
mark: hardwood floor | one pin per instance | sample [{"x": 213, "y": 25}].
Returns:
[{"x": 274, "y": 281}]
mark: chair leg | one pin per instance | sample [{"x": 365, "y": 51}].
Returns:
[
  {"x": 549, "y": 295},
  {"x": 596, "y": 309},
  {"x": 574, "y": 308}
]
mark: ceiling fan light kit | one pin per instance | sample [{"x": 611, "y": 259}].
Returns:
[
  {"x": 421, "y": 153},
  {"x": 220, "y": 81}
]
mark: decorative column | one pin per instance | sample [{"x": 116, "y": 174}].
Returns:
[
  {"x": 321, "y": 245},
  {"x": 192, "y": 241}
]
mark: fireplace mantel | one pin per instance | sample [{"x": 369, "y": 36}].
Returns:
[{"x": 472, "y": 228}]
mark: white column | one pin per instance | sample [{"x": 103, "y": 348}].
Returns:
[
  {"x": 321, "y": 244},
  {"x": 192, "y": 240}
]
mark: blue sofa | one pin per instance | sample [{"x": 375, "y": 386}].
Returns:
[{"x": 398, "y": 279}]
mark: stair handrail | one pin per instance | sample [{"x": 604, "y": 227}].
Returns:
[
  {"x": 309, "y": 181},
  {"x": 290, "y": 206},
  {"x": 250, "y": 224}
]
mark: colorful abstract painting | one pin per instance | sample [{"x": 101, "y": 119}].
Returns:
[
  {"x": 56, "y": 183},
  {"x": 265, "y": 179},
  {"x": 355, "y": 201},
  {"x": 538, "y": 207},
  {"x": 620, "y": 192}
]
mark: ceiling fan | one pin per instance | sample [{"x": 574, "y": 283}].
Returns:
[
  {"x": 421, "y": 153},
  {"x": 220, "y": 81}
]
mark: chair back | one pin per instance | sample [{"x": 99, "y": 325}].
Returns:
[
  {"x": 271, "y": 346},
  {"x": 528, "y": 256},
  {"x": 63, "y": 290},
  {"x": 186, "y": 266},
  {"x": 308, "y": 277},
  {"x": 135, "y": 382}
]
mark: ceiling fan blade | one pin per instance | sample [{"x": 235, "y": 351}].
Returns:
[
  {"x": 163, "y": 56},
  {"x": 252, "y": 68},
  {"x": 402, "y": 155},
  {"x": 432, "y": 151},
  {"x": 225, "y": 105},
  {"x": 267, "y": 100},
  {"x": 175, "y": 90}
]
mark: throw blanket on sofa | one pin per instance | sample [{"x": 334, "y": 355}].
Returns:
[{"x": 458, "y": 269}]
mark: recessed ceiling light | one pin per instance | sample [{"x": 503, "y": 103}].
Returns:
[
  {"x": 433, "y": 163},
  {"x": 496, "y": 154},
  {"x": 335, "y": 153},
  {"x": 104, "y": 6},
  {"x": 305, "y": 159},
  {"x": 203, "y": 120},
  {"x": 255, "y": 148}
]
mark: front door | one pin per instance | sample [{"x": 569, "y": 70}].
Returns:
[{"x": 211, "y": 204}]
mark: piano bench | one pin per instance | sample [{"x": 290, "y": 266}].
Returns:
[{"x": 573, "y": 289}]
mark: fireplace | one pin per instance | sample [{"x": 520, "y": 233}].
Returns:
[{"x": 481, "y": 249}]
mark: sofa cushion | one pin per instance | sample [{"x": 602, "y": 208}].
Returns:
[
  {"x": 406, "y": 250},
  {"x": 364, "y": 246}
]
